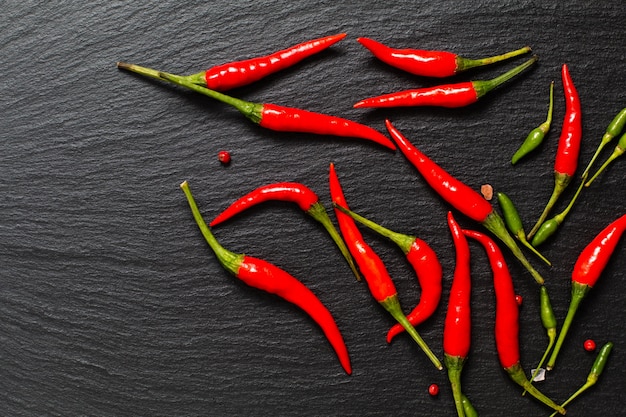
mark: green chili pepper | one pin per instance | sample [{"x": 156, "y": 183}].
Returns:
[
  {"x": 548, "y": 319},
  {"x": 468, "y": 408},
  {"x": 549, "y": 227},
  {"x": 514, "y": 223},
  {"x": 535, "y": 137},
  {"x": 617, "y": 152},
  {"x": 613, "y": 129},
  {"x": 594, "y": 374}
]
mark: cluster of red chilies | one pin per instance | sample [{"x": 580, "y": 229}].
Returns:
[{"x": 361, "y": 257}]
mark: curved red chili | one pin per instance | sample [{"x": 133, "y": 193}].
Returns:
[
  {"x": 461, "y": 196},
  {"x": 372, "y": 267},
  {"x": 267, "y": 277},
  {"x": 458, "y": 323},
  {"x": 507, "y": 319},
  {"x": 587, "y": 270},
  {"x": 272, "y": 116},
  {"x": 293, "y": 192},
  {"x": 425, "y": 263},
  {"x": 566, "y": 160},
  {"x": 236, "y": 74},
  {"x": 430, "y": 63},
  {"x": 447, "y": 95}
]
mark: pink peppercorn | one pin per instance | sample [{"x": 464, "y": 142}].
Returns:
[
  {"x": 224, "y": 157},
  {"x": 589, "y": 345}
]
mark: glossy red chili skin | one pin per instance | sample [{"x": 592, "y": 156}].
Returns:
[
  {"x": 458, "y": 322},
  {"x": 566, "y": 160},
  {"x": 427, "y": 267},
  {"x": 372, "y": 267},
  {"x": 236, "y": 74},
  {"x": 265, "y": 276},
  {"x": 459, "y": 195},
  {"x": 288, "y": 119},
  {"x": 293, "y": 192},
  {"x": 447, "y": 95},
  {"x": 507, "y": 309},
  {"x": 593, "y": 259},
  {"x": 414, "y": 61}
]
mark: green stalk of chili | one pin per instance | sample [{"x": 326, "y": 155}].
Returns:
[
  {"x": 372, "y": 267},
  {"x": 613, "y": 129},
  {"x": 566, "y": 160},
  {"x": 507, "y": 319},
  {"x": 461, "y": 196},
  {"x": 594, "y": 374},
  {"x": 468, "y": 408},
  {"x": 617, "y": 152},
  {"x": 267, "y": 277},
  {"x": 513, "y": 222},
  {"x": 587, "y": 270},
  {"x": 447, "y": 95},
  {"x": 236, "y": 74},
  {"x": 549, "y": 227},
  {"x": 536, "y": 136},
  {"x": 458, "y": 323},
  {"x": 272, "y": 116},
  {"x": 425, "y": 263},
  {"x": 294, "y": 192},
  {"x": 431, "y": 63},
  {"x": 548, "y": 320}
]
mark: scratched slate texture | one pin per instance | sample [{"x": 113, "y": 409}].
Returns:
[{"x": 111, "y": 303}]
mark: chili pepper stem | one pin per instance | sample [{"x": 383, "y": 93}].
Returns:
[
  {"x": 534, "y": 250},
  {"x": 229, "y": 260},
  {"x": 454, "y": 365},
  {"x": 465, "y": 63},
  {"x": 551, "y": 340},
  {"x": 619, "y": 151},
  {"x": 561, "y": 181},
  {"x": 319, "y": 213},
  {"x": 495, "y": 224},
  {"x": 403, "y": 241},
  {"x": 613, "y": 129},
  {"x": 606, "y": 138},
  {"x": 517, "y": 375},
  {"x": 392, "y": 305},
  {"x": 579, "y": 291},
  {"x": 549, "y": 227},
  {"x": 482, "y": 87},
  {"x": 251, "y": 110}
]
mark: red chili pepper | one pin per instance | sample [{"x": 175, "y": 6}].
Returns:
[
  {"x": 372, "y": 267},
  {"x": 507, "y": 319},
  {"x": 267, "y": 277},
  {"x": 425, "y": 263},
  {"x": 587, "y": 270},
  {"x": 293, "y": 192},
  {"x": 272, "y": 116},
  {"x": 461, "y": 196},
  {"x": 430, "y": 63},
  {"x": 566, "y": 160},
  {"x": 458, "y": 324},
  {"x": 236, "y": 74},
  {"x": 447, "y": 95}
]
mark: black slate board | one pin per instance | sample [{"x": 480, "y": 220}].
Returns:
[{"x": 111, "y": 304}]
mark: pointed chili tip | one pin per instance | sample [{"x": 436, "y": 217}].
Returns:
[{"x": 359, "y": 104}]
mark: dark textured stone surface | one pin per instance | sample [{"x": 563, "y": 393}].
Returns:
[{"x": 111, "y": 304}]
